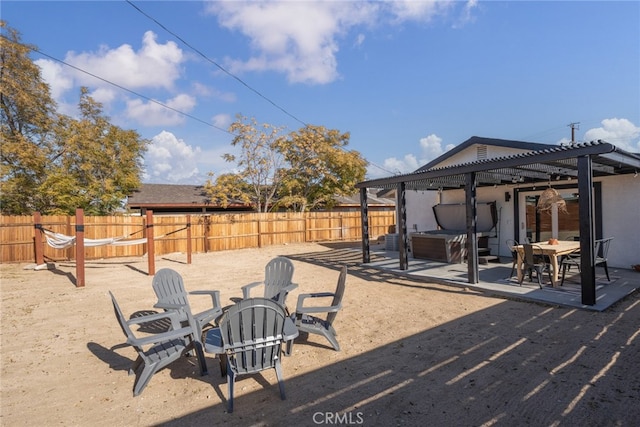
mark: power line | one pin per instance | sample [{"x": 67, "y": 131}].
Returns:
[
  {"x": 238, "y": 79},
  {"x": 224, "y": 70},
  {"x": 130, "y": 91}
]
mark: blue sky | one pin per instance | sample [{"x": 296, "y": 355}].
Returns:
[{"x": 408, "y": 80}]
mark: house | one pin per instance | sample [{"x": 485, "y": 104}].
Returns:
[
  {"x": 176, "y": 199},
  {"x": 375, "y": 202},
  {"x": 184, "y": 199},
  {"x": 598, "y": 182}
]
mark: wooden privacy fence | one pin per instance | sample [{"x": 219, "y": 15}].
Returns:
[{"x": 209, "y": 233}]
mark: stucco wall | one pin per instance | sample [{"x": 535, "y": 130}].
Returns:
[
  {"x": 621, "y": 219},
  {"x": 620, "y": 210}
]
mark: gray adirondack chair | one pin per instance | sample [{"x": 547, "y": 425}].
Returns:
[
  {"x": 305, "y": 318},
  {"x": 250, "y": 340},
  {"x": 169, "y": 288},
  {"x": 156, "y": 351},
  {"x": 278, "y": 276}
]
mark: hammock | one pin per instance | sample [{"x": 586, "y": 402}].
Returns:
[{"x": 62, "y": 241}]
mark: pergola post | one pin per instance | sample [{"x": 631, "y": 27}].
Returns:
[
  {"x": 402, "y": 227},
  {"x": 364, "y": 213},
  {"x": 472, "y": 217},
  {"x": 585, "y": 208}
]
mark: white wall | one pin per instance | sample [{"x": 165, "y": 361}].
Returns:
[
  {"x": 620, "y": 211},
  {"x": 420, "y": 210},
  {"x": 621, "y": 219}
]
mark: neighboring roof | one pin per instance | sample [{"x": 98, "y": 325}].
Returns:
[
  {"x": 172, "y": 196},
  {"x": 373, "y": 199},
  {"x": 551, "y": 162},
  {"x": 151, "y": 196}
]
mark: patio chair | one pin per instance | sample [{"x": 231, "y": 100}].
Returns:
[
  {"x": 249, "y": 340},
  {"x": 307, "y": 322},
  {"x": 278, "y": 275},
  {"x": 534, "y": 261},
  {"x": 156, "y": 351},
  {"x": 511, "y": 244},
  {"x": 601, "y": 251},
  {"x": 169, "y": 288}
]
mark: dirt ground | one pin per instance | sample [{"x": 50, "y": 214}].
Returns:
[{"x": 413, "y": 353}]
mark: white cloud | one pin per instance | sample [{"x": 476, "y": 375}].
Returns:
[
  {"x": 53, "y": 73},
  {"x": 59, "y": 82},
  {"x": 430, "y": 148},
  {"x": 408, "y": 163},
  {"x": 301, "y": 39},
  {"x": 422, "y": 11},
  {"x": 153, "y": 65},
  {"x": 620, "y": 132},
  {"x": 295, "y": 38},
  {"x": 467, "y": 15},
  {"x": 222, "y": 120},
  {"x": 154, "y": 114},
  {"x": 170, "y": 160}
]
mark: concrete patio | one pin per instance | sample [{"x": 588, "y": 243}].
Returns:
[{"x": 495, "y": 280}]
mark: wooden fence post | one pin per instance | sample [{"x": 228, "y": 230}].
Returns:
[
  {"x": 207, "y": 227},
  {"x": 37, "y": 239},
  {"x": 150, "y": 245},
  {"x": 80, "y": 279},
  {"x": 188, "y": 239}
]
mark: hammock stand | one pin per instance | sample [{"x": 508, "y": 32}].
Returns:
[{"x": 61, "y": 241}]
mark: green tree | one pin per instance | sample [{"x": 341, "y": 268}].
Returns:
[
  {"x": 319, "y": 168},
  {"x": 26, "y": 122},
  {"x": 259, "y": 162},
  {"x": 227, "y": 188},
  {"x": 98, "y": 163},
  {"x": 52, "y": 163}
]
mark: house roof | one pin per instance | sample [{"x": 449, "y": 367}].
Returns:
[
  {"x": 478, "y": 140},
  {"x": 373, "y": 199},
  {"x": 172, "y": 196},
  {"x": 151, "y": 196},
  {"x": 541, "y": 163}
]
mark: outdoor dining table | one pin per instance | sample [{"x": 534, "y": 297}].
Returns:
[{"x": 563, "y": 247}]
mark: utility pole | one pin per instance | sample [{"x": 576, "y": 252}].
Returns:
[{"x": 574, "y": 126}]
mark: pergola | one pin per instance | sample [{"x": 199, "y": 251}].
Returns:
[{"x": 582, "y": 161}]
